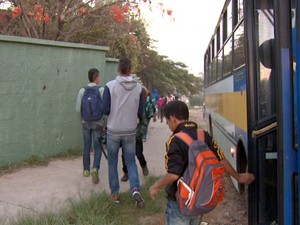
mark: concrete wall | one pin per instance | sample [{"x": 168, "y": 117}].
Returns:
[
  {"x": 111, "y": 68},
  {"x": 39, "y": 83}
]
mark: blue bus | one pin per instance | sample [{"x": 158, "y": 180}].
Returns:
[{"x": 252, "y": 102}]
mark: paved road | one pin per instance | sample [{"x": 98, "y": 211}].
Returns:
[{"x": 33, "y": 190}]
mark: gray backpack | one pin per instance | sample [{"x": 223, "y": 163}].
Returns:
[{"x": 202, "y": 185}]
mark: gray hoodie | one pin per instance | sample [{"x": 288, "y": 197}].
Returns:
[{"x": 123, "y": 103}]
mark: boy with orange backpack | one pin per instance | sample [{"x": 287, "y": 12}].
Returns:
[{"x": 177, "y": 164}]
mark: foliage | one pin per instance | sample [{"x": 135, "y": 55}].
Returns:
[
  {"x": 64, "y": 19},
  {"x": 196, "y": 100},
  {"x": 168, "y": 76}
]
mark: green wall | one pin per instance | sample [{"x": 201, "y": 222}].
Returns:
[{"x": 39, "y": 83}]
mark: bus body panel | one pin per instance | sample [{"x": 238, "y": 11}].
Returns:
[{"x": 257, "y": 105}]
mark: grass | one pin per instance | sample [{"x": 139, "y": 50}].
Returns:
[{"x": 99, "y": 210}]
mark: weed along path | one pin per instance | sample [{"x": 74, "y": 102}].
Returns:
[{"x": 50, "y": 188}]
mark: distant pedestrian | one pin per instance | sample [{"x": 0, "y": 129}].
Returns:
[
  {"x": 149, "y": 113},
  {"x": 155, "y": 98},
  {"x": 169, "y": 97},
  {"x": 88, "y": 105},
  {"x": 123, "y": 103},
  {"x": 160, "y": 104}
]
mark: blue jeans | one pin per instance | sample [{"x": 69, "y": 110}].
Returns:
[
  {"x": 113, "y": 145},
  {"x": 174, "y": 217},
  {"x": 92, "y": 132}
]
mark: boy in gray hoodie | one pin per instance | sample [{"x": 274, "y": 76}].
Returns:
[{"x": 123, "y": 103}]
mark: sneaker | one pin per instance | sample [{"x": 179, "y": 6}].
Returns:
[
  {"x": 115, "y": 198},
  {"x": 125, "y": 177},
  {"x": 86, "y": 173},
  {"x": 139, "y": 201},
  {"x": 95, "y": 177},
  {"x": 145, "y": 170}
]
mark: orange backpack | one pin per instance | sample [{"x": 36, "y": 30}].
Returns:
[{"x": 202, "y": 185}]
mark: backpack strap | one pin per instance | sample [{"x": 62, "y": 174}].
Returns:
[
  {"x": 200, "y": 135},
  {"x": 187, "y": 139}
]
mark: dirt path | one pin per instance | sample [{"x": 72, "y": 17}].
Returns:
[{"x": 34, "y": 190}]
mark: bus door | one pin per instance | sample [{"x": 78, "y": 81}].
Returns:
[
  {"x": 287, "y": 113},
  {"x": 295, "y": 21},
  {"x": 272, "y": 154},
  {"x": 261, "y": 100}
]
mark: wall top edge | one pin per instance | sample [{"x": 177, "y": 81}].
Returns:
[
  {"x": 34, "y": 41},
  {"x": 108, "y": 59}
]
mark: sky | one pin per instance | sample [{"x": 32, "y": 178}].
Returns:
[{"x": 186, "y": 38}]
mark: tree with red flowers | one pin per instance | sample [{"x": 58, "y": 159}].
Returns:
[{"x": 64, "y": 19}]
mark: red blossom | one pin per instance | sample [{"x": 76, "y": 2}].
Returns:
[
  {"x": 81, "y": 11},
  {"x": 38, "y": 9},
  {"x": 16, "y": 12},
  {"x": 39, "y": 16},
  {"x": 126, "y": 9},
  {"x": 132, "y": 39},
  {"x": 117, "y": 14},
  {"x": 46, "y": 18},
  {"x": 31, "y": 14}
]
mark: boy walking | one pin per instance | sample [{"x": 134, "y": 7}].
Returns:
[
  {"x": 88, "y": 105},
  {"x": 176, "y": 161},
  {"x": 123, "y": 103}
]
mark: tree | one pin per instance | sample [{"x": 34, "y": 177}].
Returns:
[
  {"x": 168, "y": 76},
  {"x": 116, "y": 24},
  {"x": 64, "y": 19}
]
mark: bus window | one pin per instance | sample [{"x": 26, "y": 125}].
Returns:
[
  {"x": 294, "y": 50},
  {"x": 209, "y": 75},
  {"x": 239, "y": 47},
  {"x": 218, "y": 39},
  {"x": 220, "y": 65},
  {"x": 227, "y": 58},
  {"x": 240, "y": 10},
  {"x": 206, "y": 69},
  {"x": 214, "y": 70},
  {"x": 229, "y": 18},
  {"x": 266, "y": 81},
  {"x": 221, "y": 34},
  {"x": 224, "y": 23},
  {"x": 213, "y": 48}
]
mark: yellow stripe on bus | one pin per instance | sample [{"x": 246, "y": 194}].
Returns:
[{"x": 231, "y": 106}]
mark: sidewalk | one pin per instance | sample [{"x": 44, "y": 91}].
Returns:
[{"x": 34, "y": 190}]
